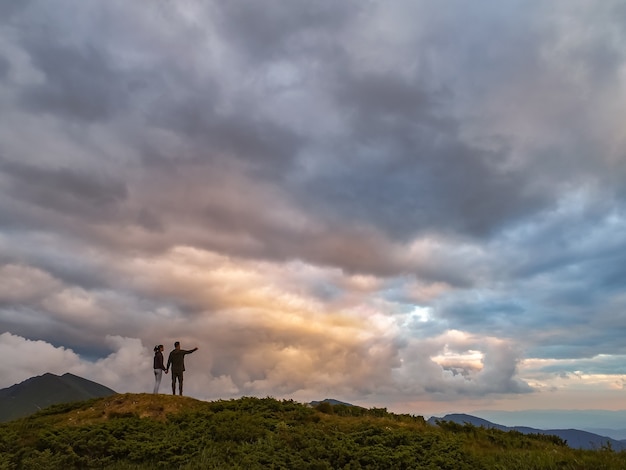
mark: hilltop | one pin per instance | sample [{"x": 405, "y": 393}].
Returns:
[{"x": 162, "y": 431}]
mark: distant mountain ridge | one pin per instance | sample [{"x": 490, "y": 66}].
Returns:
[
  {"x": 48, "y": 389},
  {"x": 575, "y": 438},
  {"x": 331, "y": 401},
  {"x": 610, "y": 423}
]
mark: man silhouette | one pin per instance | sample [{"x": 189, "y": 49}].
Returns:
[{"x": 177, "y": 360}]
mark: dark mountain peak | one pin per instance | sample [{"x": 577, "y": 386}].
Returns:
[
  {"x": 331, "y": 401},
  {"x": 456, "y": 417},
  {"x": 462, "y": 418},
  {"x": 39, "y": 392}
]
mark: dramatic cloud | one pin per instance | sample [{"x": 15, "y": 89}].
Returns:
[{"x": 398, "y": 203}]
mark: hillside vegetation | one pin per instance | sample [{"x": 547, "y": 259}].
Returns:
[{"x": 142, "y": 431}]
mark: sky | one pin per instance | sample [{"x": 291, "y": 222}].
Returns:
[{"x": 409, "y": 204}]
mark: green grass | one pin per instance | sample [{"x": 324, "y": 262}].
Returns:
[{"x": 166, "y": 432}]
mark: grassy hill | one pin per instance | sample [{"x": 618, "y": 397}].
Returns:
[{"x": 169, "y": 432}]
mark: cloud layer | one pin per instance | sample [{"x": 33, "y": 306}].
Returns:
[{"x": 387, "y": 202}]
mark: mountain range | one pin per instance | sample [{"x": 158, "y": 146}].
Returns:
[
  {"x": 48, "y": 389},
  {"x": 611, "y": 423},
  {"x": 575, "y": 438}
]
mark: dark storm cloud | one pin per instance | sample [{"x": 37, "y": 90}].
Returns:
[
  {"x": 5, "y": 67},
  {"x": 400, "y": 163},
  {"x": 430, "y": 184},
  {"x": 421, "y": 178},
  {"x": 9, "y": 8},
  {"x": 149, "y": 220},
  {"x": 265, "y": 146},
  {"x": 77, "y": 270},
  {"x": 80, "y": 81},
  {"x": 601, "y": 54},
  {"x": 275, "y": 30},
  {"x": 65, "y": 190},
  {"x": 38, "y": 325}
]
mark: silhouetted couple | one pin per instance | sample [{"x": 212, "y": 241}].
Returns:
[{"x": 176, "y": 360}]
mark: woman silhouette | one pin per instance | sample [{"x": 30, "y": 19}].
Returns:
[{"x": 158, "y": 367}]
